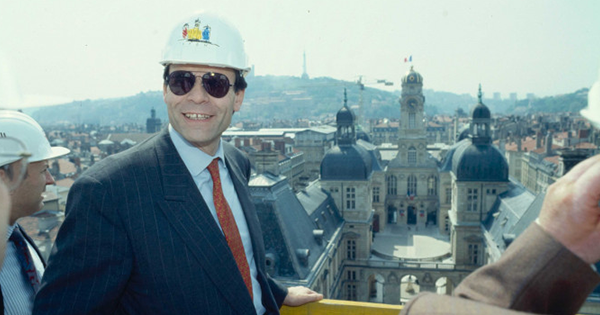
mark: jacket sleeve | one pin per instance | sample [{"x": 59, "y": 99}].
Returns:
[
  {"x": 90, "y": 261},
  {"x": 536, "y": 274},
  {"x": 279, "y": 291}
]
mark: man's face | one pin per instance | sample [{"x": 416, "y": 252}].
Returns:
[
  {"x": 199, "y": 117},
  {"x": 27, "y": 199}
]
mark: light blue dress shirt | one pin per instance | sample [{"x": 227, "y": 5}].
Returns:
[{"x": 16, "y": 290}]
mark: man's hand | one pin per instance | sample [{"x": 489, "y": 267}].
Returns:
[
  {"x": 570, "y": 212},
  {"x": 301, "y": 295}
]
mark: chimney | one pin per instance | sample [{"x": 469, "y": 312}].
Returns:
[
  {"x": 280, "y": 146},
  {"x": 265, "y": 146},
  {"x": 549, "y": 143},
  {"x": 569, "y": 158}
]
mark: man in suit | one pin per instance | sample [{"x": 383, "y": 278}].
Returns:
[
  {"x": 168, "y": 226},
  {"x": 23, "y": 265},
  {"x": 13, "y": 165},
  {"x": 549, "y": 268}
]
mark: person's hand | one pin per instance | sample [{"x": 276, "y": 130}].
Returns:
[
  {"x": 570, "y": 212},
  {"x": 301, "y": 295}
]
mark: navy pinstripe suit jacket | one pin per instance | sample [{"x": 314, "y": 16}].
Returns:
[{"x": 138, "y": 238}]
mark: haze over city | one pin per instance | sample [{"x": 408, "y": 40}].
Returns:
[{"x": 72, "y": 50}]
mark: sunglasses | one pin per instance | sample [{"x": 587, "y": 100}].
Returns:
[{"x": 182, "y": 82}]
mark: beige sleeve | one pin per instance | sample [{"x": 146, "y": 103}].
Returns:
[{"x": 536, "y": 274}]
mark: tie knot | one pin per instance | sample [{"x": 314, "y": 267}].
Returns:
[{"x": 213, "y": 168}]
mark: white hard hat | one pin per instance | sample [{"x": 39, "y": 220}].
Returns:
[
  {"x": 12, "y": 150},
  {"x": 17, "y": 125},
  {"x": 592, "y": 112},
  {"x": 206, "y": 39}
]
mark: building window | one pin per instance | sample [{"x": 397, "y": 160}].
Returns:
[
  {"x": 351, "y": 288},
  {"x": 351, "y": 249},
  {"x": 376, "y": 194},
  {"x": 446, "y": 224},
  {"x": 412, "y": 118},
  {"x": 432, "y": 186},
  {"x": 471, "y": 199},
  {"x": 412, "y": 155},
  {"x": 391, "y": 185},
  {"x": 448, "y": 195},
  {"x": 411, "y": 186},
  {"x": 474, "y": 254},
  {"x": 350, "y": 198},
  {"x": 351, "y": 275}
]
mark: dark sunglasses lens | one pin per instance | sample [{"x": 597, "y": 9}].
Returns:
[
  {"x": 181, "y": 82},
  {"x": 215, "y": 84}
]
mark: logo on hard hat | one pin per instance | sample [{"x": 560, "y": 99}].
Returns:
[{"x": 197, "y": 33}]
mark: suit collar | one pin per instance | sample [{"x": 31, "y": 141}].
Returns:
[{"x": 194, "y": 159}]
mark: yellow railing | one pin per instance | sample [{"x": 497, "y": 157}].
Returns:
[{"x": 339, "y": 307}]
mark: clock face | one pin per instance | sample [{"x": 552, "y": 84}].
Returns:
[{"x": 412, "y": 104}]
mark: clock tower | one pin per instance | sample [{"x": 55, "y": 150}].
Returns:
[{"x": 412, "y": 177}]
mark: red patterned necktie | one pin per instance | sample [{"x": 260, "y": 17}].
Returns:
[
  {"x": 230, "y": 229},
  {"x": 25, "y": 258}
]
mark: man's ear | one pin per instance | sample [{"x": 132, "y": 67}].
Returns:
[{"x": 239, "y": 98}]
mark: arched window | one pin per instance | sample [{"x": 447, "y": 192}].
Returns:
[
  {"x": 391, "y": 185},
  {"x": 412, "y": 155},
  {"x": 411, "y": 186},
  {"x": 412, "y": 118},
  {"x": 432, "y": 186}
]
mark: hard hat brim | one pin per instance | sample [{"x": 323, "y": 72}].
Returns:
[
  {"x": 593, "y": 119},
  {"x": 54, "y": 153}
]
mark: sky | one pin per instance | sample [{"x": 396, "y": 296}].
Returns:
[{"x": 64, "y": 50}]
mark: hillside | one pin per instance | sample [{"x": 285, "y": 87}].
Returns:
[{"x": 290, "y": 98}]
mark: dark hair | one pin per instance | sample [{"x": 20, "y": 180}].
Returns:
[
  {"x": 8, "y": 170},
  {"x": 239, "y": 84}
]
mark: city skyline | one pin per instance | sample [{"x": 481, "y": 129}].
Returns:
[{"x": 67, "y": 50}]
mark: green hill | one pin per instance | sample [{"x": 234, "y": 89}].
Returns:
[{"x": 291, "y": 98}]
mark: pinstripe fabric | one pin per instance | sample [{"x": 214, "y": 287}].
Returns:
[
  {"x": 139, "y": 239},
  {"x": 197, "y": 162},
  {"x": 17, "y": 292}
]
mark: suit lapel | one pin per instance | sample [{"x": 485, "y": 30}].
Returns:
[
  {"x": 32, "y": 243},
  {"x": 241, "y": 187},
  {"x": 187, "y": 213}
]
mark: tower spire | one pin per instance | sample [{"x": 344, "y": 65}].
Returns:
[
  {"x": 479, "y": 94},
  {"x": 345, "y": 98},
  {"x": 304, "y": 73}
]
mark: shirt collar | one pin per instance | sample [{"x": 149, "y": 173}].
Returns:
[
  {"x": 194, "y": 159},
  {"x": 9, "y": 230}
]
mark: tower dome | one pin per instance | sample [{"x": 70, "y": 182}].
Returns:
[
  {"x": 412, "y": 77},
  {"x": 480, "y": 111},
  {"x": 346, "y": 163},
  {"x": 346, "y": 160},
  {"x": 345, "y": 116},
  {"x": 482, "y": 163}
]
